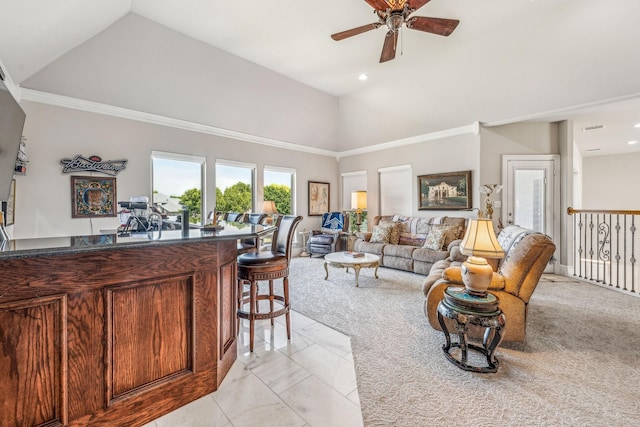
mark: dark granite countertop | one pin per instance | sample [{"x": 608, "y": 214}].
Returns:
[{"x": 46, "y": 246}]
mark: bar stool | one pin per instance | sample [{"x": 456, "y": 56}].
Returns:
[{"x": 267, "y": 265}]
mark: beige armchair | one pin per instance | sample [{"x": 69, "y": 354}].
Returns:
[{"x": 515, "y": 279}]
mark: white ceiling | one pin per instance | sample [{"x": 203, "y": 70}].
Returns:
[{"x": 583, "y": 48}]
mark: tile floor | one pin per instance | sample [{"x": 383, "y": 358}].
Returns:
[{"x": 308, "y": 381}]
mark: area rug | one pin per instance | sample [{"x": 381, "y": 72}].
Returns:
[{"x": 580, "y": 364}]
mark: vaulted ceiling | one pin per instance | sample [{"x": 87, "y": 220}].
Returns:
[{"x": 508, "y": 60}]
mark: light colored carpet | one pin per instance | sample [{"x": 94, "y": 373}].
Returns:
[{"x": 579, "y": 366}]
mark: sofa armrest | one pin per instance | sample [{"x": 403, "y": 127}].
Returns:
[
  {"x": 454, "y": 275},
  {"x": 454, "y": 252}
]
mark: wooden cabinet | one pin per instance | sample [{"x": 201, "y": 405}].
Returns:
[{"x": 115, "y": 337}]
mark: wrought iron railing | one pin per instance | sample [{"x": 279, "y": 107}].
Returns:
[{"x": 604, "y": 247}]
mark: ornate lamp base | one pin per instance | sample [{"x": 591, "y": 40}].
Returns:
[{"x": 476, "y": 275}]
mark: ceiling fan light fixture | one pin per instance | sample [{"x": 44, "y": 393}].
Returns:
[
  {"x": 395, "y": 21},
  {"x": 393, "y": 14}
]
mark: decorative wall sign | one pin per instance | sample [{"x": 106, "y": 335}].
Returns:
[
  {"x": 448, "y": 191},
  {"x": 21, "y": 161},
  {"x": 93, "y": 164},
  {"x": 92, "y": 197}
]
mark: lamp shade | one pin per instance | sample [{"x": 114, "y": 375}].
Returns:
[
  {"x": 269, "y": 207},
  {"x": 359, "y": 199},
  {"x": 480, "y": 240}
]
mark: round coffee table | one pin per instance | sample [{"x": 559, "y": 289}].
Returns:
[{"x": 342, "y": 260}]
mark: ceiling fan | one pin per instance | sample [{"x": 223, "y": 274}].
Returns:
[{"x": 394, "y": 13}]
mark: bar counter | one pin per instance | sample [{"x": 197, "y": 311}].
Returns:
[{"x": 111, "y": 330}]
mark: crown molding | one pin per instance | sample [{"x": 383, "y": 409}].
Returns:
[
  {"x": 473, "y": 129},
  {"x": 560, "y": 114},
  {"x": 8, "y": 82},
  {"x": 126, "y": 113}
]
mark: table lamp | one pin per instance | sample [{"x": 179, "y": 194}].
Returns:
[
  {"x": 479, "y": 243},
  {"x": 358, "y": 203},
  {"x": 269, "y": 208}
]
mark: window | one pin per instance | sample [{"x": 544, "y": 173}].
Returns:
[
  {"x": 177, "y": 181},
  {"x": 279, "y": 187},
  {"x": 235, "y": 186},
  {"x": 354, "y": 181}
]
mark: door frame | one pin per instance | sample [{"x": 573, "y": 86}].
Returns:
[{"x": 554, "y": 186}]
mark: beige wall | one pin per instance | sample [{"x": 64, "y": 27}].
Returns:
[
  {"x": 610, "y": 182},
  {"x": 143, "y": 66},
  {"x": 43, "y": 204},
  {"x": 451, "y": 154},
  {"x": 518, "y": 138}
]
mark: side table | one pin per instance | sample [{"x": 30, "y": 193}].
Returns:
[
  {"x": 465, "y": 309},
  {"x": 350, "y": 239}
]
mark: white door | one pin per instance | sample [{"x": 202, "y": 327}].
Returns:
[{"x": 531, "y": 193}]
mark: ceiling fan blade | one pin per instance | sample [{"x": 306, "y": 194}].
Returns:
[
  {"x": 355, "y": 31},
  {"x": 389, "y": 47},
  {"x": 417, "y": 4},
  {"x": 439, "y": 26},
  {"x": 378, "y": 4}
]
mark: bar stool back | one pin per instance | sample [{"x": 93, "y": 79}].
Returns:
[{"x": 267, "y": 265}]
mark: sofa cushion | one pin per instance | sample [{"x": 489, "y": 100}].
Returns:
[
  {"x": 435, "y": 238},
  {"x": 396, "y": 227},
  {"x": 428, "y": 255},
  {"x": 398, "y": 263},
  {"x": 451, "y": 232},
  {"x": 401, "y": 251},
  {"x": 321, "y": 239},
  {"x": 414, "y": 230},
  {"x": 381, "y": 233},
  {"x": 368, "y": 247},
  {"x": 412, "y": 239}
]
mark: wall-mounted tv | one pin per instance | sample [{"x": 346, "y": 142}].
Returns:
[{"x": 11, "y": 124}]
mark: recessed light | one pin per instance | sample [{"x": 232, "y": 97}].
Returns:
[
  {"x": 632, "y": 142},
  {"x": 637, "y": 125},
  {"x": 362, "y": 77}
]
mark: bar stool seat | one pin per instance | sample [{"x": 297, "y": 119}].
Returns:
[{"x": 254, "y": 267}]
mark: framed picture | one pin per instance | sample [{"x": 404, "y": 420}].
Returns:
[
  {"x": 8, "y": 207},
  {"x": 93, "y": 197},
  {"x": 444, "y": 191},
  {"x": 318, "y": 198}
]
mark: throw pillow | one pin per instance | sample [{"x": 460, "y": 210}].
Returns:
[
  {"x": 435, "y": 239},
  {"x": 394, "y": 234},
  {"x": 451, "y": 233},
  {"x": 396, "y": 228},
  {"x": 381, "y": 234}
]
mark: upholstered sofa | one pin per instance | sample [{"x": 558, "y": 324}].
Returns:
[
  {"x": 516, "y": 276},
  {"x": 411, "y": 243}
]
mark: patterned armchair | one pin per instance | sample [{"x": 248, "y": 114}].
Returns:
[{"x": 327, "y": 239}]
